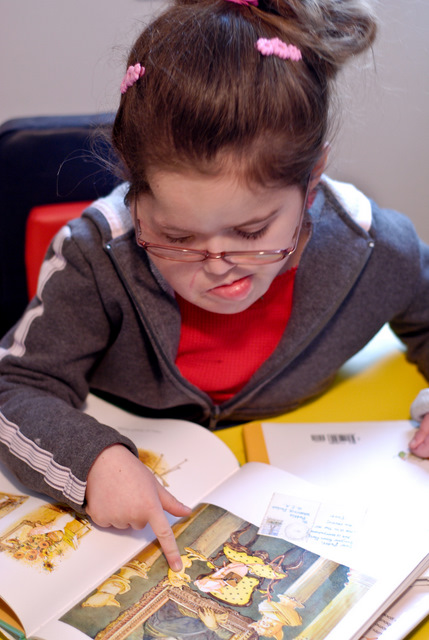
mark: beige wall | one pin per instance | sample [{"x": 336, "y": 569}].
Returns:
[
  {"x": 68, "y": 57},
  {"x": 383, "y": 143}
]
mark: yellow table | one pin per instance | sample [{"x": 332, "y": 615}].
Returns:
[{"x": 377, "y": 384}]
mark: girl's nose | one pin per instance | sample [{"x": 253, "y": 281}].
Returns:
[{"x": 217, "y": 266}]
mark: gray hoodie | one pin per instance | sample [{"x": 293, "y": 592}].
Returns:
[{"x": 104, "y": 320}]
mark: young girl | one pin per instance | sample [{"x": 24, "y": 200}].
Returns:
[{"x": 253, "y": 277}]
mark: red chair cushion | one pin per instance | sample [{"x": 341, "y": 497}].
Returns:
[{"x": 43, "y": 223}]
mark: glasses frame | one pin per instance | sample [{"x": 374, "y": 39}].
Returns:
[{"x": 201, "y": 255}]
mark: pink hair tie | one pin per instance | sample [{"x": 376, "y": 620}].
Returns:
[
  {"x": 134, "y": 72},
  {"x": 245, "y": 2},
  {"x": 276, "y": 47}
]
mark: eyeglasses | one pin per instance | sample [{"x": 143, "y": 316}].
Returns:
[{"x": 250, "y": 258}]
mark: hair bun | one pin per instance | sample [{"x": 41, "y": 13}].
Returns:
[{"x": 335, "y": 30}]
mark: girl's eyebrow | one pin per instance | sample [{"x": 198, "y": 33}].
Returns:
[
  {"x": 171, "y": 228},
  {"x": 249, "y": 223}
]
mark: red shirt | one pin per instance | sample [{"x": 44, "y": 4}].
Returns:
[{"x": 219, "y": 352}]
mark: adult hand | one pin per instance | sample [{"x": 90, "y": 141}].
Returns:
[
  {"x": 121, "y": 492},
  {"x": 419, "y": 445}
]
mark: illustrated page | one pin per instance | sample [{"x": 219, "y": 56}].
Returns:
[
  {"x": 374, "y": 464},
  {"x": 235, "y": 583},
  {"x": 378, "y": 535},
  {"x": 239, "y": 582},
  {"x": 52, "y": 555}
]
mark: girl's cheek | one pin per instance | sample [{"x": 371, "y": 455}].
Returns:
[{"x": 193, "y": 278}]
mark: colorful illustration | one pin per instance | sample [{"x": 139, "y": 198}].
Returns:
[
  {"x": 242, "y": 571},
  {"x": 9, "y": 502},
  {"x": 45, "y": 536},
  {"x": 235, "y": 585}
]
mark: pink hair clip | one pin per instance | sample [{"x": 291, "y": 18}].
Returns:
[
  {"x": 134, "y": 72},
  {"x": 276, "y": 47},
  {"x": 245, "y": 2}
]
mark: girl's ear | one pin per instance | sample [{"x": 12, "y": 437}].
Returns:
[
  {"x": 316, "y": 174},
  {"x": 319, "y": 168}
]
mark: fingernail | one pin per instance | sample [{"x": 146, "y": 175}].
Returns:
[{"x": 176, "y": 565}]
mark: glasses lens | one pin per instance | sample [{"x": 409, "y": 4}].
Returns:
[
  {"x": 259, "y": 257},
  {"x": 238, "y": 258},
  {"x": 181, "y": 255}
]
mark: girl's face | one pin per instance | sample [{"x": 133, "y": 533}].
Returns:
[{"x": 218, "y": 213}]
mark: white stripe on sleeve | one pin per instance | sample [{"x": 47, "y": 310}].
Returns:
[
  {"x": 57, "y": 476},
  {"x": 49, "y": 267}
]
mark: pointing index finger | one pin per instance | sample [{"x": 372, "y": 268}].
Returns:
[{"x": 162, "y": 529}]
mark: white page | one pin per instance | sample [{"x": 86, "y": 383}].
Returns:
[
  {"x": 401, "y": 618},
  {"x": 57, "y": 630},
  {"x": 329, "y": 525},
  {"x": 355, "y": 455}
]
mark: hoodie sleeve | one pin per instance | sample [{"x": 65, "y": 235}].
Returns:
[{"x": 45, "y": 364}]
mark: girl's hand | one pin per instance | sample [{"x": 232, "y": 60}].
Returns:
[
  {"x": 121, "y": 492},
  {"x": 419, "y": 445}
]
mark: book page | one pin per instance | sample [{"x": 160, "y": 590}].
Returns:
[
  {"x": 403, "y": 616},
  {"x": 230, "y": 570},
  {"x": 51, "y": 555},
  {"x": 322, "y": 525},
  {"x": 238, "y": 581},
  {"x": 234, "y": 583},
  {"x": 392, "y": 550},
  {"x": 367, "y": 455},
  {"x": 189, "y": 460},
  {"x": 372, "y": 461},
  {"x": 366, "y": 462}
]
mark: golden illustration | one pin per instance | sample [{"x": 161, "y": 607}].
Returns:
[
  {"x": 117, "y": 584},
  {"x": 9, "y": 502},
  {"x": 242, "y": 571},
  {"x": 158, "y": 465},
  {"x": 235, "y": 584},
  {"x": 45, "y": 536}
]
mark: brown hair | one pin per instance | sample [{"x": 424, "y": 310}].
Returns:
[{"x": 209, "y": 98}]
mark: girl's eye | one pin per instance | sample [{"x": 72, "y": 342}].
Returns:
[
  {"x": 242, "y": 233},
  {"x": 175, "y": 240},
  {"x": 251, "y": 235}
]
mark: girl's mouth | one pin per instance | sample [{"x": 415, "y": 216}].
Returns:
[{"x": 237, "y": 290}]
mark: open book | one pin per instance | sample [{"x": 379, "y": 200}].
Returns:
[
  {"x": 265, "y": 553},
  {"x": 370, "y": 459}
]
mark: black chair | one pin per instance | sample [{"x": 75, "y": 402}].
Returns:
[{"x": 44, "y": 160}]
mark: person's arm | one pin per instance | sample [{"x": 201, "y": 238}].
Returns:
[
  {"x": 45, "y": 365},
  {"x": 412, "y": 327},
  {"x": 45, "y": 438}
]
